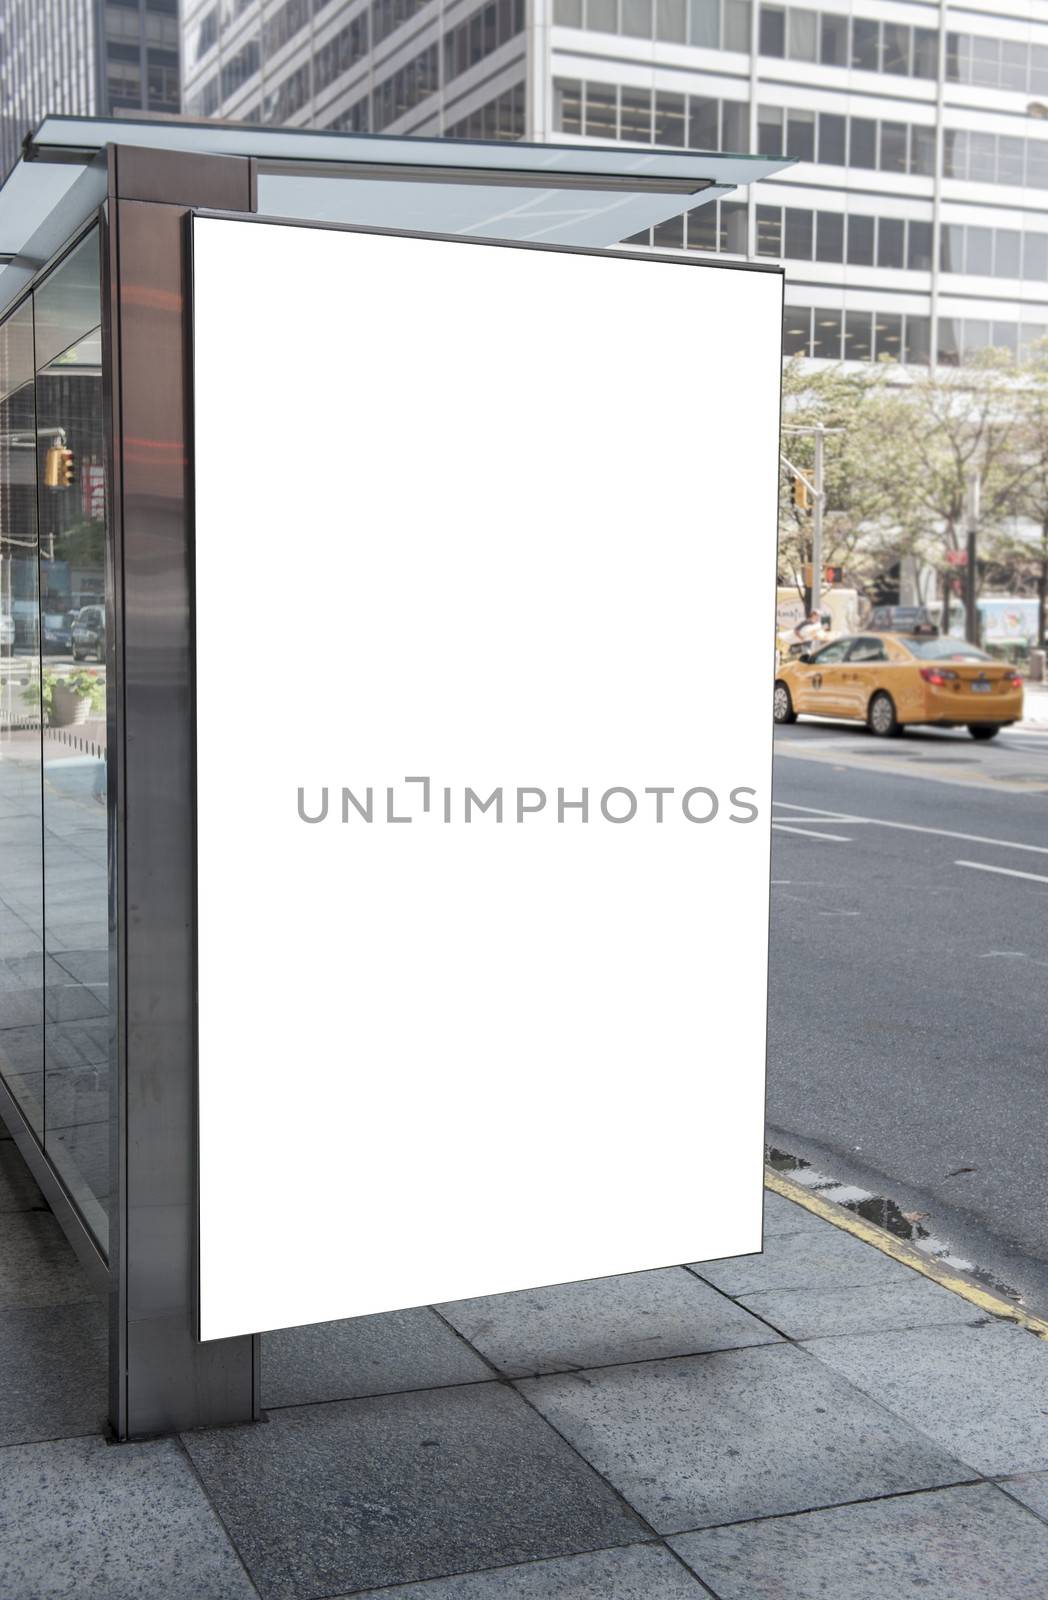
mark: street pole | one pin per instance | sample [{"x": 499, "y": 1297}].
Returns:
[
  {"x": 816, "y": 526},
  {"x": 971, "y": 620}
]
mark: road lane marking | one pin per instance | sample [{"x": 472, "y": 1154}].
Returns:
[
  {"x": 818, "y": 815},
  {"x": 1006, "y": 872},
  {"x": 809, "y": 833},
  {"x": 1012, "y": 955}
]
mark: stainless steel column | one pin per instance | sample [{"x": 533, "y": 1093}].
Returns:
[{"x": 162, "y": 1378}]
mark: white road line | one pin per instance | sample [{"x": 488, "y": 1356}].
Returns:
[
  {"x": 809, "y": 833},
  {"x": 818, "y": 815},
  {"x": 1006, "y": 872}
]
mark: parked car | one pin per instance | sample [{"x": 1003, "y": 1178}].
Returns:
[
  {"x": 916, "y": 620},
  {"x": 889, "y": 681},
  {"x": 57, "y": 633},
  {"x": 89, "y": 633}
]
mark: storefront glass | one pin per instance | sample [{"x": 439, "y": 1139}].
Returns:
[{"x": 54, "y": 921}]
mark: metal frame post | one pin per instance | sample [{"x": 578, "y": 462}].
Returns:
[{"x": 162, "y": 1377}]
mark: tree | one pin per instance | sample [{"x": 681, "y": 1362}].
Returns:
[
  {"x": 1033, "y": 443},
  {"x": 870, "y": 515}
]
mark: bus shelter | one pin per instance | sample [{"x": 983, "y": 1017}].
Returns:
[{"x": 384, "y": 790}]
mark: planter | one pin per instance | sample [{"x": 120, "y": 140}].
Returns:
[{"x": 67, "y": 708}]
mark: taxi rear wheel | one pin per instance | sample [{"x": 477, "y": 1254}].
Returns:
[
  {"x": 781, "y": 704},
  {"x": 881, "y": 718},
  {"x": 984, "y": 730}
]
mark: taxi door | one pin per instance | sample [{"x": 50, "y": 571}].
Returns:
[
  {"x": 862, "y": 670},
  {"x": 819, "y": 682}
]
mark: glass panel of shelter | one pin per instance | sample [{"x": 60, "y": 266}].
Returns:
[
  {"x": 71, "y": 510},
  {"x": 54, "y": 915},
  {"x": 21, "y": 845}
]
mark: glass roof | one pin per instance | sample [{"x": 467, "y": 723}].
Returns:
[{"x": 493, "y": 189}]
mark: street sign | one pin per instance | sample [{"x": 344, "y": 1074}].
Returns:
[
  {"x": 957, "y": 558},
  {"x": 482, "y": 896}
]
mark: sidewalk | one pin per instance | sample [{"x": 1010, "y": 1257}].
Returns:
[
  {"x": 1035, "y": 706},
  {"x": 820, "y": 1421}
]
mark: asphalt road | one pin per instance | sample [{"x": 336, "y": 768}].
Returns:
[{"x": 908, "y": 1042}]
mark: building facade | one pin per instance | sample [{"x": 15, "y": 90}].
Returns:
[
  {"x": 83, "y": 58},
  {"x": 914, "y": 225}
]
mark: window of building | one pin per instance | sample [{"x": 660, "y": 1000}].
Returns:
[
  {"x": 860, "y": 241},
  {"x": 769, "y": 230},
  {"x": 567, "y": 105},
  {"x": 479, "y": 35},
  {"x": 833, "y": 139},
  {"x": 798, "y": 233},
  {"x": 501, "y": 118},
  {"x": 891, "y": 242},
  {"x": 866, "y": 44},
  {"x": 829, "y": 236},
  {"x": 833, "y": 40},
  {"x": 340, "y": 53},
  {"x": 602, "y": 111},
  {"x": 670, "y": 119},
  {"x": 802, "y": 28},
  {"x": 773, "y": 31}
]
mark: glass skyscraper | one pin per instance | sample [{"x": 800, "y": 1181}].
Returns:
[{"x": 83, "y": 58}]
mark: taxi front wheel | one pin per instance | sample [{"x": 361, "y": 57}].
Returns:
[
  {"x": 881, "y": 718},
  {"x": 984, "y": 730},
  {"x": 781, "y": 704}
]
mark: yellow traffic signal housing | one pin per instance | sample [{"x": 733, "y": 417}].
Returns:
[
  {"x": 801, "y": 497},
  {"x": 59, "y": 467}
]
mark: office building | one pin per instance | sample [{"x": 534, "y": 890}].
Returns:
[
  {"x": 914, "y": 224},
  {"x": 83, "y": 58}
]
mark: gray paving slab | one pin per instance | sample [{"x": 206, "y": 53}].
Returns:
[
  {"x": 1032, "y": 1489},
  {"x": 37, "y": 1265},
  {"x": 953, "y": 1544},
  {"x": 640, "y": 1572},
  {"x": 358, "y": 1494},
  {"x": 54, "y": 1366},
  {"x": 637, "y": 1317},
  {"x": 785, "y": 1216},
  {"x": 82, "y": 1520},
  {"x": 827, "y": 1258},
  {"x": 18, "y": 1189},
  {"x": 741, "y": 1433},
  {"x": 980, "y": 1392},
  {"x": 365, "y": 1355},
  {"x": 812, "y": 1313}
]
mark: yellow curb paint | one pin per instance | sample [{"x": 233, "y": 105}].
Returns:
[{"x": 900, "y": 1251}]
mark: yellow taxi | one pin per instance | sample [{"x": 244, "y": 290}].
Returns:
[{"x": 890, "y": 680}]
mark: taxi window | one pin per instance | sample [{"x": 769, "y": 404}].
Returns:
[
  {"x": 947, "y": 650},
  {"x": 832, "y": 652},
  {"x": 868, "y": 649}
]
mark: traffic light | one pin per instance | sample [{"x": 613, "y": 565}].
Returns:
[
  {"x": 801, "y": 497},
  {"x": 59, "y": 467},
  {"x": 834, "y": 575}
]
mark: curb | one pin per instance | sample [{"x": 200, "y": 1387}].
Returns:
[{"x": 902, "y": 1252}]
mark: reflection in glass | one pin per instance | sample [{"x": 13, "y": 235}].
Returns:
[
  {"x": 70, "y": 457},
  {"x": 21, "y": 874}
]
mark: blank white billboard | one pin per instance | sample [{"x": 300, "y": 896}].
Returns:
[{"x": 485, "y": 602}]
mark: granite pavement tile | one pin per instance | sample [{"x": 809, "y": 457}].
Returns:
[
  {"x": 398, "y": 1350},
  {"x": 830, "y": 1259},
  {"x": 741, "y": 1433},
  {"x": 360, "y": 1494},
  {"x": 18, "y": 1187},
  {"x": 636, "y": 1317},
  {"x": 83, "y": 1520},
  {"x": 37, "y": 1264},
  {"x": 1032, "y": 1489},
  {"x": 981, "y": 1392},
  {"x": 786, "y": 1216},
  {"x": 869, "y": 1308},
  {"x": 638, "y": 1572},
  {"x": 968, "y": 1543},
  {"x": 54, "y": 1366}
]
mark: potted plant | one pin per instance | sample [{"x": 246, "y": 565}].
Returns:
[{"x": 71, "y": 697}]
